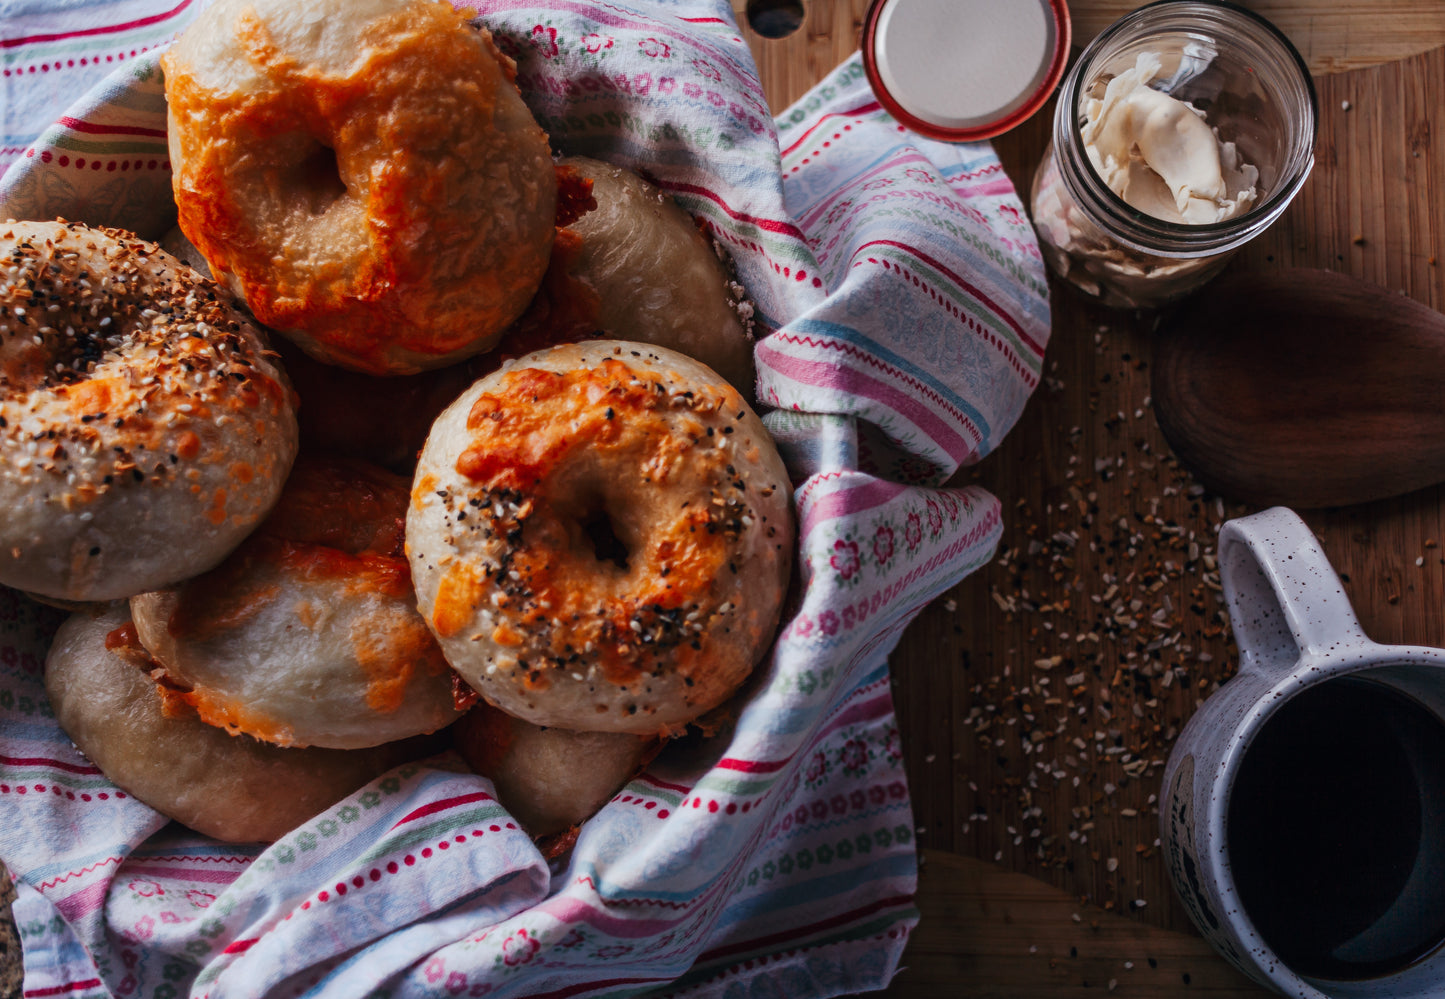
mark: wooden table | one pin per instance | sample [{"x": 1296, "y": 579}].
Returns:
[{"x": 1034, "y": 758}]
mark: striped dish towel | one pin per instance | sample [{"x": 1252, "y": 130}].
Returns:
[{"x": 902, "y": 317}]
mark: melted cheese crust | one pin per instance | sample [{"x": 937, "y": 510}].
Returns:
[
  {"x": 144, "y": 428},
  {"x": 308, "y": 634},
  {"x": 601, "y": 536},
  {"x": 375, "y": 189},
  {"x": 235, "y": 789}
]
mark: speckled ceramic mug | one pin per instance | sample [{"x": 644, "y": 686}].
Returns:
[{"x": 1269, "y": 792}]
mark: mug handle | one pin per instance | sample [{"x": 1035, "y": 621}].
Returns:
[{"x": 1285, "y": 600}]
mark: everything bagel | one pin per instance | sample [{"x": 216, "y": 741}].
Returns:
[
  {"x": 600, "y": 535},
  {"x": 144, "y": 428}
]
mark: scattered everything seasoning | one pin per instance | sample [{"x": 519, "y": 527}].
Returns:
[{"x": 1096, "y": 631}]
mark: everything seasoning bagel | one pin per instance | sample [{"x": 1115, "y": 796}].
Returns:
[{"x": 588, "y": 553}]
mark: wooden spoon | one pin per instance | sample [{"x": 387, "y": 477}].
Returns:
[{"x": 1305, "y": 388}]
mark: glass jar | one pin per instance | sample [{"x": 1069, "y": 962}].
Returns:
[{"x": 1251, "y": 88}]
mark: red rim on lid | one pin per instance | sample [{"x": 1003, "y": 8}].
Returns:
[{"x": 961, "y": 70}]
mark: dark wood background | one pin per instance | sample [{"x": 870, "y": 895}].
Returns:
[{"x": 1034, "y": 759}]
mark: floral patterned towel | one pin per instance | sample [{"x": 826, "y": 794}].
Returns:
[{"x": 902, "y": 317}]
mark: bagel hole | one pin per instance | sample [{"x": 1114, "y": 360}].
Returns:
[
  {"x": 606, "y": 545},
  {"x": 320, "y": 178}
]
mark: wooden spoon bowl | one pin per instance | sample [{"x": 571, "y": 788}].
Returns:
[{"x": 1306, "y": 388}]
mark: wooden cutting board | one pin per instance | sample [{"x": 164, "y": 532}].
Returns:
[{"x": 1041, "y": 886}]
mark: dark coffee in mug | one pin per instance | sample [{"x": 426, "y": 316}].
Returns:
[{"x": 1336, "y": 830}]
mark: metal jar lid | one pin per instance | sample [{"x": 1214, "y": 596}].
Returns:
[{"x": 961, "y": 70}]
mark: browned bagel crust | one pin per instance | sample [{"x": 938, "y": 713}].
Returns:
[
  {"x": 367, "y": 177},
  {"x": 308, "y": 635},
  {"x": 144, "y": 427},
  {"x": 601, "y": 536},
  {"x": 550, "y": 779},
  {"x": 656, "y": 276},
  {"x": 232, "y": 788}
]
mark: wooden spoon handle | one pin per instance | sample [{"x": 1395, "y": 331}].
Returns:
[{"x": 1303, "y": 387}]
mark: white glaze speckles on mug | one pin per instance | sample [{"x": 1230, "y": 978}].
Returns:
[
  {"x": 1297, "y": 634},
  {"x": 1285, "y": 600}
]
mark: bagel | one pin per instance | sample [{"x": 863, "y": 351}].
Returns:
[
  {"x": 550, "y": 779},
  {"x": 144, "y": 428},
  {"x": 600, "y": 535},
  {"x": 234, "y": 789},
  {"x": 656, "y": 277},
  {"x": 362, "y": 173},
  {"x": 308, "y": 634},
  {"x": 384, "y": 421}
]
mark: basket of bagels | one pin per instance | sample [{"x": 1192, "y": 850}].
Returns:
[{"x": 463, "y": 470}]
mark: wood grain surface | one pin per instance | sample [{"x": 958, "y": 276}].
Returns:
[
  {"x": 991, "y": 932},
  {"x": 1332, "y": 35},
  {"x": 1038, "y": 699}
]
